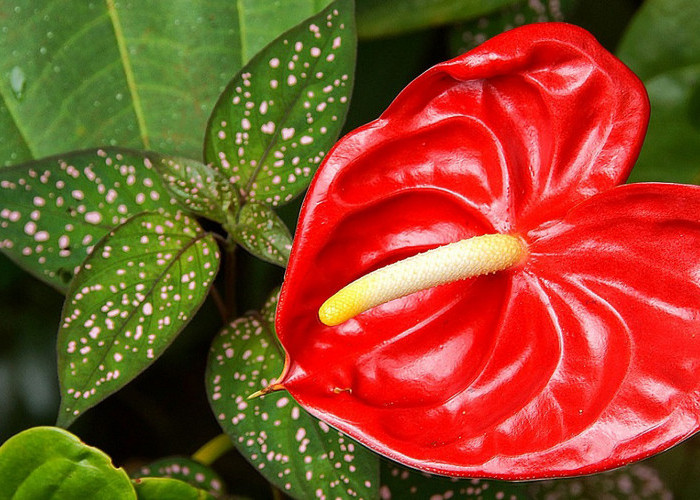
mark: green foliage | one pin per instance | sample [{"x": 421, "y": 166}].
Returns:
[
  {"x": 165, "y": 488},
  {"x": 663, "y": 47},
  {"x": 390, "y": 17},
  {"x": 298, "y": 453},
  {"x": 278, "y": 117},
  {"x": 85, "y": 74},
  {"x": 46, "y": 462},
  {"x": 135, "y": 292},
  {"x": 184, "y": 469},
  {"x": 260, "y": 231},
  {"x": 56, "y": 209}
]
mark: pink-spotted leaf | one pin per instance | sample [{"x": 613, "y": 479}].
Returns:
[
  {"x": 51, "y": 463},
  {"x": 198, "y": 187},
  {"x": 301, "y": 455},
  {"x": 185, "y": 469},
  {"x": 53, "y": 210},
  {"x": 168, "y": 488},
  {"x": 260, "y": 231},
  {"x": 283, "y": 111},
  {"x": 634, "y": 481},
  {"x": 398, "y": 482},
  {"x": 135, "y": 292}
]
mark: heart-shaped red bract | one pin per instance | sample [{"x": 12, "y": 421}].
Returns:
[{"x": 587, "y": 356}]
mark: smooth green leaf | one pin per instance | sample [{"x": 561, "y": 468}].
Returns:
[
  {"x": 391, "y": 17},
  {"x": 52, "y": 211},
  {"x": 46, "y": 462},
  {"x": 142, "y": 74},
  {"x": 140, "y": 286},
  {"x": 301, "y": 455},
  {"x": 166, "y": 488},
  {"x": 633, "y": 481},
  {"x": 402, "y": 483},
  {"x": 279, "y": 116},
  {"x": 199, "y": 188},
  {"x": 184, "y": 469},
  {"x": 468, "y": 35},
  {"x": 260, "y": 231},
  {"x": 662, "y": 45}
]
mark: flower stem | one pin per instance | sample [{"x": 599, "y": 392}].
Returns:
[{"x": 213, "y": 449}]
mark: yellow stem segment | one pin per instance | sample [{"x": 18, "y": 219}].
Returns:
[{"x": 445, "y": 264}]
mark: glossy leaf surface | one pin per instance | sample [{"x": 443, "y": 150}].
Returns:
[
  {"x": 86, "y": 74},
  {"x": 580, "y": 359},
  {"x": 184, "y": 469},
  {"x": 302, "y": 456},
  {"x": 662, "y": 46},
  {"x": 54, "y": 210},
  {"x": 46, "y": 462},
  {"x": 167, "y": 488},
  {"x": 138, "y": 289},
  {"x": 283, "y": 111},
  {"x": 260, "y": 231},
  {"x": 391, "y": 17}
]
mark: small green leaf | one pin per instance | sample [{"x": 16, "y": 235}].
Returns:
[
  {"x": 199, "y": 188},
  {"x": 391, "y": 17},
  {"x": 662, "y": 46},
  {"x": 260, "y": 231},
  {"x": 52, "y": 211},
  {"x": 301, "y": 455},
  {"x": 46, "y": 462},
  {"x": 466, "y": 36},
  {"x": 165, "y": 488},
  {"x": 184, "y": 469},
  {"x": 633, "y": 481},
  {"x": 280, "y": 115},
  {"x": 134, "y": 294},
  {"x": 401, "y": 482}
]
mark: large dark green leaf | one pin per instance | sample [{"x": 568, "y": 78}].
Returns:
[
  {"x": 259, "y": 230},
  {"x": 50, "y": 463},
  {"x": 301, "y": 455},
  {"x": 662, "y": 45},
  {"x": 52, "y": 211},
  {"x": 390, "y": 17},
  {"x": 280, "y": 115},
  {"x": 142, "y": 74},
  {"x": 135, "y": 292}
]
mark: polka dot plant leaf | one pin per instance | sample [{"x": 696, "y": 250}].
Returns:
[
  {"x": 302, "y": 456},
  {"x": 198, "y": 187},
  {"x": 53, "y": 210},
  {"x": 184, "y": 469},
  {"x": 284, "y": 110},
  {"x": 167, "y": 488},
  {"x": 134, "y": 294},
  {"x": 401, "y": 483},
  {"x": 260, "y": 231}
]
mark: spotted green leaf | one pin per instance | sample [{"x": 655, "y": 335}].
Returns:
[
  {"x": 52, "y": 211},
  {"x": 633, "y": 481},
  {"x": 302, "y": 456},
  {"x": 468, "y": 35},
  {"x": 167, "y": 488},
  {"x": 259, "y": 230},
  {"x": 399, "y": 482},
  {"x": 199, "y": 188},
  {"x": 46, "y": 462},
  {"x": 184, "y": 469},
  {"x": 138, "y": 73},
  {"x": 135, "y": 292},
  {"x": 662, "y": 46},
  {"x": 391, "y": 17},
  {"x": 284, "y": 110}
]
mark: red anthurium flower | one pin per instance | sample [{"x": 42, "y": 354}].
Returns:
[{"x": 566, "y": 340}]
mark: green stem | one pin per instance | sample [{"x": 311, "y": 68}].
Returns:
[{"x": 213, "y": 449}]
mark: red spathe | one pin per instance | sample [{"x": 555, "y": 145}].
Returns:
[{"x": 584, "y": 358}]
